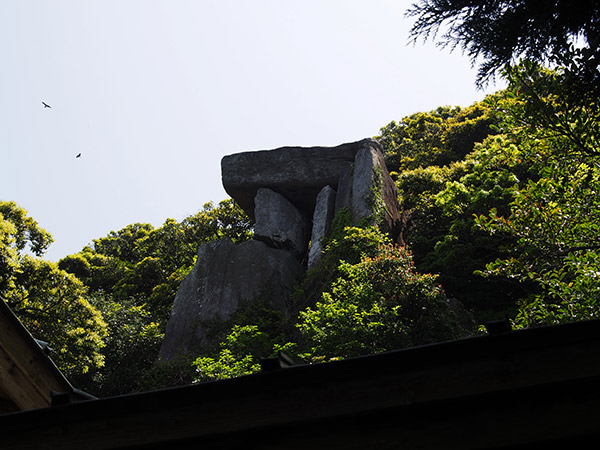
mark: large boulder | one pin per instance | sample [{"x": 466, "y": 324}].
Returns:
[
  {"x": 298, "y": 173},
  {"x": 279, "y": 223},
  {"x": 226, "y": 276}
]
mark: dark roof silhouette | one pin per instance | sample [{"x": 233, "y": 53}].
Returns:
[{"x": 533, "y": 389}]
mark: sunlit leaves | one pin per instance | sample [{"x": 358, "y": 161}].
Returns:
[
  {"x": 53, "y": 306},
  {"x": 378, "y": 303},
  {"x": 554, "y": 219},
  {"x": 146, "y": 263},
  {"x": 436, "y": 138},
  {"x": 25, "y": 230},
  {"x": 239, "y": 354}
]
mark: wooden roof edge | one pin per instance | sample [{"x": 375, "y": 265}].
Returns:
[{"x": 29, "y": 376}]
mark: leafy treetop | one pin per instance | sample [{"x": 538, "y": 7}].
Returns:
[{"x": 500, "y": 32}]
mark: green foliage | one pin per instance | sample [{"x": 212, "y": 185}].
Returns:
[
  {"x": 496, "y": 33},
  {"x": 50, "y": 302},
  {"x": 436, "y": 138},
  {"x": 25, "y": 230},
  {"x": 552, "y": 105},
  {"x": 122, "y": 244},
  {"x": 378, "y": 303},
  {"x": 343, "y": 243},
  {"x": 550, "y": 118},
  {"x": 553, "y": 219},
  {"x": 147, "y": 264},
  {"x": 227, "y": 365},
  {"x": 131, "y": 345},
  {"x": 237, "y": 356},
  {"x": 446, "y": 169},
  {"x": 100, "y": 273},
  {"x": 256, "y": 331},
  {"x": 8, "y": 253},
  {"x": 18, "y": 231},
  {"x": 52, "y": 305}
]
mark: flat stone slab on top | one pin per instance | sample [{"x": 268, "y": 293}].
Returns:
[{"x": 297, "y": 173}]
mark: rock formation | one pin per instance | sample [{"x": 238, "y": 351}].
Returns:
[
  {"x": 225, "y": 277},
  {"x": 355, "y": 171},
  {"x": 292, "y": 193}
]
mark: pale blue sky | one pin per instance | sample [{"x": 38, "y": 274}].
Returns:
[{"x": 154, "y": 93}]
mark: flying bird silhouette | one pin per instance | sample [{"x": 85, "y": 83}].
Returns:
[
  {"x": 78, "y": 156},
  {"x": 46, "y": 105}
]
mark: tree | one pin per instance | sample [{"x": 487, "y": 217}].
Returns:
[
  {"x": 549, "y": 104},
  {"x": 26, "y": 231},
  {"x": 447, "y": 168},
  {"x": 553, "y": 219},
  {"x": 379, "y": 303},
  {"x": 147, "y": 264},
  {"x": 130, "y": 347},
  {"x": 52, "y": 305},
  {"x": 239, "y": 355},
  {"x": 501, "y": 32},
  {"x": 50, "y": 302},
  {"x": 18, "y": 231},
  {"x": 435, "y": 138}
]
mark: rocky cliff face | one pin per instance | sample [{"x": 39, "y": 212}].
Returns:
[
  {"x": 226, "y": 276},
  {"x": 292, "y": 193}
]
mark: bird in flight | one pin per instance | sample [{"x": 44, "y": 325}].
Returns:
[
  {"x": 78, "y": 155},
  {"x": 46, "y": 105}
]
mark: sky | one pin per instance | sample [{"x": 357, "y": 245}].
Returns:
[{"x": 153, "y": 93}]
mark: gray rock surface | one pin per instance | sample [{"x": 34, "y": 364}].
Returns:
[
  {"x": 298, "y": 173},
  {"x": 322, "y": 218},
  {"x": 366, "y": 181},
  {"x": 374, "y": 194},
  {"x": 279, "y": 223},
  {"x": 225, "y": 277},
  {"x": 343, "y": 197}
]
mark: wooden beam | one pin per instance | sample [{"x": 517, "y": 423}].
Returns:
[
  {"x": 27, "y": 375},
  {"x": 19, "y": 386}
]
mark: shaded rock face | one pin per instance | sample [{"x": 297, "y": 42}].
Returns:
[
  {"x": 293, "y": 194},
  {"x": 374, "y": 194},
  {"x": 279, "y": 223},
  {"x": 225, "y": 277},
  {"x": 322, "y": 218}
]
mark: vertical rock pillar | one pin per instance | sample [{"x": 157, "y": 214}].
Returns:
[{"x": 322, "y": 218}]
